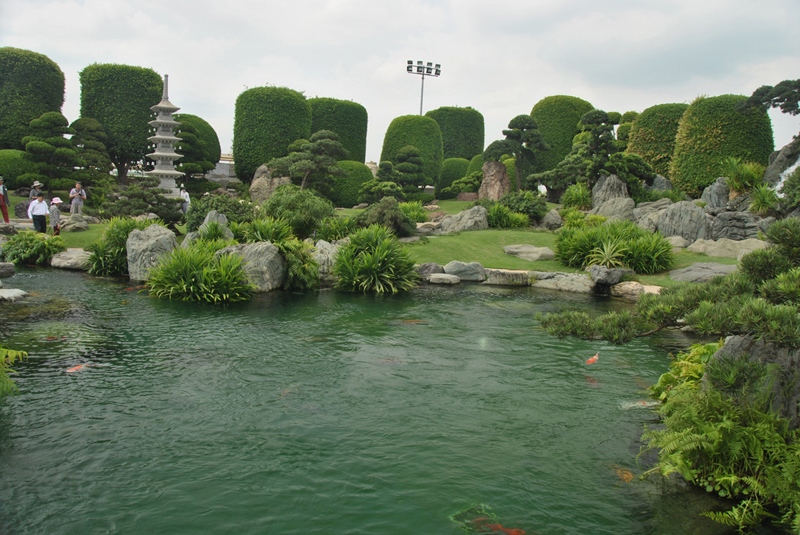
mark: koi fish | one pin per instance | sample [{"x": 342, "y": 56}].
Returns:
[
  {"x": 50, "y": 338},
  {"x": 80, "y": 367},
  {"x": 591, "y": 381},
  {"x": 507, "y": 531},
  {"x": 593, "y": 359}
]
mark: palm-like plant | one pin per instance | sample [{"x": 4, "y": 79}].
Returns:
[
  {"x": 268, "y": 229},
  {"x": 610, "y": 254}
]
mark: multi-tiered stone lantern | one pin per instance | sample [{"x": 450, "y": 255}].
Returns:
[{"x": 165, "y": 140}]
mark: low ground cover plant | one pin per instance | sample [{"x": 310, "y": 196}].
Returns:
[
  {"x": 29, "y": 247},
  {"x": 577, "y": 196}
]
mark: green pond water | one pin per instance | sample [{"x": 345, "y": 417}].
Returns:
[{"x": 323, "y": 413}]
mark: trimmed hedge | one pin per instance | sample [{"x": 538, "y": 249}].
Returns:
[
  {"x": 628, "y": 117},
  {"x": 712, "y": 130},
  {"x": 344, "y": 190},
  {"x": 652, "y": 135},
  {"x": 421, "y": 132},
  {"x": 30, "y": 84},
  {"x": 345, "y": 118},
  {"x": 511, "y": 169},
  {"x": 475, "y": 164},
  {"x": 13, "y": 164},
  {"x": 205, "y": 132},
  {"x": 267, "y": 120},
  {"x": 557, "y": 117},
  {"x": 452, "y": 170},
  {"x": 462, "y": 131}
]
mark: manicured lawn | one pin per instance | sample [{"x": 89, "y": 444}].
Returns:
[{"x": 82, "y": 239}]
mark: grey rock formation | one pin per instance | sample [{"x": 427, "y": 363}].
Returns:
[
  {"x": 495, "y": 182},
  {"x": 630, "y": 290},
  {"x": 443, "y": 278},
  {"x": 647, "y": 213},
  {"x": 552, "y": 220},
  {"x": 740, "y": 203},
  {"x": 410, "y": 239},
  {"x": 608, "y": 187},
  {"x": 618, "y": 208},
  {"x": 12, "y": 294},
  {"x": 430, "y": 268},
  {"x": 678, "y": 241},
  {"x": 735, "y": 226},
  {"x": 506, "y": 277},
  {"x": 785, "y": 159},
  {"x": 566, "y": 282},
  {"x": 472, "y": 219},
  {"x": 7, "y": 269},
  {"x": 8, "y": 229},
  {"x": 726, "y": 248},
  {"x": 217, "y": 217},
  {"x": 604, "y": 275},
  {"x": 659, "y": 184},
  {"x": 264, "y": 185},
  {"x": 75, "y": 223},
  {"x": 325, "y": 255},
  {"x": 716, "y": 195},
  {"x": 190, "y": 237},
  {"x": 763, "y": 224},
  {"x": 530, "y": 252},
  {"x": 71, "y": 259},
  {"x": 21, "y": 209},
  {"x": 145, "y": 249},
  {"x": 684, "y": 219},
  {"x": 471, "y": 271},
  {"x": 263, "y": 264},
  {"x": 701, "y": 272}
]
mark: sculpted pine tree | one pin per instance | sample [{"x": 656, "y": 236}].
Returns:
[
  {"x": 409, "y": 169},
  {"x": 314, "y": 163},
  {"x": 194, "y": 151},
  {"x": 522, "y": 139},
  {"x": 53, "y": 155},
  {"x": 89, "y": 140}
]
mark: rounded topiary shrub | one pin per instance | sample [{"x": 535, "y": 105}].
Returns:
[
  {"x": 652, "y": 135},
  {"x": 347, "y": 119},
  {"x": 628, "y": 117},
  {"x": 462, "y": 131},
  {"x": 13, "y": 165},
  {"x": 475, "y": 164},
  {"x": 267, "y": 120},
  {"x": 711, "y": 130},
  {"x": 344, "y": 190},
  {"x": 452, "y": 170},
  {"x": 421, "y": 132},
  {"x": 234, "y": 210},
  {"x": 205, "y": 132},
  {"x": 30, "y": 84},
  {"x": 557, "y": 117}
]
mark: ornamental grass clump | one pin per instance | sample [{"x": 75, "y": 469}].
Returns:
[
  {"x": 501, "y": 216},
  {"x": 335, "y": 228},
  {"x": 29, "y": 247},
  {"x": 577, "y": 196},
  {"x": 414, "y": 211},
  {"x": 268, "y": 229},
  {"x": 109, "y": 255},
  {"x": 374, "y": 261}
]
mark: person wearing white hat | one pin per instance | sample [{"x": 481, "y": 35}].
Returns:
[
  {"x": 4, "y": 202},
  {"x": 35, "y": 189},
  {"x": 55, "y": 216}
]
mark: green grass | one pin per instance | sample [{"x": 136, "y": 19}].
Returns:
[
  {"x": 82, "y": 239},
  {"x": 682, "y": 260}
]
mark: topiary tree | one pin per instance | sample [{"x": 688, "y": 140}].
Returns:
[
  {"x": 652, "y": 135},
  {"x": 628, "y": 117},
  {"x": 462, "y": 131},
  {"x": 304, "y": 210},
  {"x": 421, "y": 132},
  {"x": 205, "y": 132},
  {"x": 13, "y": 165},
  {"x": 557, "y": 117},
  {"x": 120, "y": 97},
  {"x": 347, "y": 119},
  {"x": 315, "y": 163},
  {"x": 30, "y": 84},
  {"x": 475, "y": 164},
  {"x": 144, "y": 197},
  {"x": 96, "y": 164},
  {"x": 266, "y": 121},
  {"x": 383, "y": 185},
  {"x": 522, "y": 140},
  {"x": 409, "y": 169},
  {"x": 193, "y": 150},
  {"x": 452, "y": 170},
  {"x": 345, "y": 189},
  {"x": 52, "y": 154},
  {"x": 387, "y": 212},
  {"x": 614, "y": 117},
  {"x": 711, "y": 130}
]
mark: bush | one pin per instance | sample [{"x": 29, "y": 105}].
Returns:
[
  {"x": 783, "y": 289},
  {"x": 649, "y": 254},
  {"x": 374, "y": 261},
  {"x": 470, "y": 183},
  {"x": 302, "y": 271},
  {"x": 557, "y": 117},
  {"x": 525, "y": 202},
  {"x": 345, "y": 190},
  {"x": 201, "y": 186},
  {"x": 452, "y": 170},
  {"x": 785, "y": 235},
  {"x": 304, "y": 210},
  {"x": 139, "y": 199},
  {"x": 347, "y": 119},
  {"x": 235, "y": 210},
  {"x": 711, "y": 130},
  {"x": 414, "y": 211},
  {"x": 511, "y": 171},
  {"x": 652, "y": 135},
  {"x": 421, "y": 132},
  {"x": 206, "y": 134},
  {"x": 624, "y": 132},
  {"x": 375, "y": 190},
  {"x": 13, "y": 165},
  {"x": 577, "y": 196},
  {"x": 422, "y": 198},
  {"x": 791, "y": 190},
  {"x": 462, "y": 131},
  {"x": 742, "y": 176},
  {"x": 764, "y": 200},
  {"x": 268, "y": 229},
  {"x": 109, "y": 255},
  {"x": 388, "y": 214},
  {"x": 29, "y": 247},
  {"x": 475, "y": 164},
  {"x": 628, "y": 117},
  {"x": 500, "y": 216},
  {"x": 267, "y": 120},
  {"x": 336, "y": 228}
]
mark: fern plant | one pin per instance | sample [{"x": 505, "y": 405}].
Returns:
[
  {"x": 7, "y": 359},
  {"x": 29, "y": 247}
]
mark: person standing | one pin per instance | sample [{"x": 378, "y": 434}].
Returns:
[
  {"x": 4, "y": 202},
  {"x": 55, "y": 216},
  {"x": 37, "y": 213},
  {"x": 77, "y": 196},
  {"x": 35, "y": 189},
  {"x": 186, "y": 200}
]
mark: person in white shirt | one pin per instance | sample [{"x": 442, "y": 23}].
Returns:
[
  {"x": 186, "y": 200},
  {"x": 37, "y": 213}
]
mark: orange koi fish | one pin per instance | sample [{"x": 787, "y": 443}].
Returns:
[
  {"x": 507, "y": 531},
  {"x": 593, "y": 359},
  {"x": 80, "y": 367}
]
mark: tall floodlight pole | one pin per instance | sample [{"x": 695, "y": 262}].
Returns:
[{"x": 423, "y": 70}]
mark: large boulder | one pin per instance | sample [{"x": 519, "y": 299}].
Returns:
[
  {"x": 21, "y": 209},
  {"x": 325, "y": 255},
  {"x": 145, "y": 249},
  {"x": 75, "y": 223},
  {"x": 467, "y": 196},
  {"x": 552, "y": 220},
  {"x": 7, "y": 269},
  {"x": 471, "y": 271},
  {"x": 506, "y": 277},
  {"x": 684, "y": 219},
  {"x": 659, "y": 184},
  {"x": 608, "y": 187},
  {"x": 735, "y": 226},
  {"x": 604, "y": 275},
  {"x": 443, "y": 278},
  {"x": 495, "y": 181},
  {"x": 726, "y": 248},
  {"x": 647, "y": 213},
  {"x": 740, "y": 203},
  {"x": 716, "y": 195},
  {"x": 264, "y": 185},
  {"x": 473, "y": 219},
  {"x": 566, "y": 282},
  {"x": 618, "y": 208},
  {"x": 701, "y": 272},
  {"x": 782, "y": 161},
  {"x": 77, "y": 259},
  {"x": 216, "y": 217},
  {"x": 7, "y": 229},
  {"x": 529, "y": 252},
  {"x": 427, "y": 269},
  {"x": 263, "y": 264}
]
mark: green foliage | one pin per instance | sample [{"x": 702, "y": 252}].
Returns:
[
  {"x": 610, "y": 253},
  {"x": 523, "y": 140},
  {"x": 302, "y": 271},
  {"x": 235, "y": 210},
  {"x": 52, "y": 155},
  {"x": 109, "y": 255},
  {"x": 375, "y": 190},
  {"x": 420, "y": 197},
  {"x": 304, "y": 210},
  {"x": 783, "y": 289},
  {"x": 267, "y": 229},
  {"x": 501, "y": 216},
  {"x": 421, "y": 132},
  {"x": 196, "y": 154},
  {"x": 790, "y": 189},
  {"x": 470, "y": 183},
  {"x": 462, "y": 131},
  {"x": 7, "y": 359},
  {"x": 511, "y": 171},
  {"x": 525, "y": 202},
  {"x": 475, "y": 164},
  {"x": 345, "y": 189},
  {"x": 335, "y": 228},
  {"x": 785, "y": 235},
  {"x": 711, "y": 130},
  {"x": 557, "y": 117},
  {"x": 29, "y": 247},
  {"x": 623, "y": 135},
  {"x": 614, "y": 117},
  {"x": 628, "y": 117},
  {"x": 414, "y": 211},
  {"x": 140, "y": 199},
  {"x": 649, "y": 254},
  {"x": 205, "y": 132},
  {"x": 314, "y": 164},
  {"x": 571, "y": 170},
  {"x": 785, "y": 96},
  {"x": 267, "y": 120},
  {"x": 13, "y": 165},
  {"x": 119, "y": 97},
  {"x": 634, "y": 172},
  {"x": 347, "y": 119},
  {"x": 409, "y": 169},
  {"x": 31, "y": 84},
  {"x": 764, "y": 264},
  {"x": 653, "y": 135},
  {"x": 89, "y": 140},
  {"x": 577, "y": 196},
  {"x": 387, "y": 213},
  {"x": 742, "y": 176},
  {"x": 199, "y": 186},
  {"x": 374, "y": 261},
  {"x": 685, "y": 369},
  {"x": 452, "y": 170},
  {"x": 211, "y": 231},
  {"x": 764, "y": 200}
]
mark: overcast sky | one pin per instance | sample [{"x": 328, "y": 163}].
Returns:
[{"x": 497, "y": 57}]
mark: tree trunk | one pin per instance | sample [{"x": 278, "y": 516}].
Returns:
[
  {"x": 122, "y": 172},
  {"x": 305, "y": 181},
  {"x": 516, "y": 172}
]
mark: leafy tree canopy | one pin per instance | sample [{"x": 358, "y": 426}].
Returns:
[
  {"x": 53, "y": 154},
  {"x": 194, "y": 150},
  {"x": 785, "y": 95},
  {"x": 315, "y": 162},
  {"x": 522, "y": 139},
  {"x": 89, "y": 140}
]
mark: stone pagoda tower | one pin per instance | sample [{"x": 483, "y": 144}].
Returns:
[{"x": 164, "y": 140}]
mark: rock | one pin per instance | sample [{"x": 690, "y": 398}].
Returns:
[
  {"x": 647, "y": 213},
  {"x": 217, "y": 217},
  {"x": 91, "y": 220},
  {"x": 429, "y": 268},
  {"x": 495, "y": 182},
  {"x": 619, "y": 208},
  {"x": 472, "y": 219},
  {"x": 264, "y": 185},
  {"x": 145, "y": 249},
  {"x": 566, "y": 282},
  {"x": 7, "y": 269},
  {"x": 678, "y": 242},
  {"x": 12, "y": 294},
  {"x": 71, "y": 259},
  {"x": 75, "y": 223},
  {"x": 716, "y": 195},
  {"x": 735, "y": 226},
  {"x": 429, "y": 224},
  {"x": 740, "y": 203},
  {"x": 604, "y": 275},
  {"x": 530, "y": 252},
  {"x": 467, "y": 196},
  {"x": 21, "y": 209},
  {"x": 506, "y": 277},
  {"x": 726, "y": 248},
  {"x": 607, "y": 188},
  {"x": 360, "y": 206},
  {"x": 424, "y": 231},
  {"x": 410, "y": 239},
  {"x": 443, "y": 278},
  {"x": 552, "y": 220},
  {"x": 684, "y": 219},
  {"x": 190, "y": 237},
  {"x": 431, "y": 207},
  {"x": 436, "y": 216},
  {"x": 763, "y": 224},
  {"x": 146, "y": 217},
  {"x": 794, "y": 213},
  {"x": 701, "y": 272},
  {"x": 748, "y": 246},
  {"x": 786, "y": 158},
  {"x": 472, "y": 271},
  {"x": 628, "y": 290},
  {"x": 8, "y": 229},
  {"x": 659, "y": 184},
  {"x": 325, "y": 255},
  {"x": 263, "y": 264}
]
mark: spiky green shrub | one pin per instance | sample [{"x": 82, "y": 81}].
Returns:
[
  {"x": 266, "y": 121},
  {"x": 452, "y": 170},
  {"x": 109, "y": 255},
  {"x": 500, "y": 216},
  {"x": 233, "y": 209},
  {"x": 304, "y": 210},
  {"x": 764, "y": 200},
  {"x": 418, "y": 131},
  {"x": 345, "y": 190},
  {"x": 557, "y": 117},
  {"x": 649, "y": 254},
  {"x": 211, "y": 231},
  {"x": 742, "y": 176},
  {"x": 462, "y": 131},
  {"x": 525, "y": 202},
  {"x": 785, "y": 235},
  {"x": 577, "y": 196},
  {"x": 347, "y": 119},
  {"x": 387, "y": 213},
  {"x": 29, "y": 247},
  {"x": 336, "y": 228},
  {"x": 268, "y": 229},
  {"x": 374, "y": 261},
  {"x": 783, "y": 289},
  {"x": 302, "y": 271},
  {"x": 652, "y": 135},
  {"x": 711, "y": 130},
  {"x": 414, "y": 211}
]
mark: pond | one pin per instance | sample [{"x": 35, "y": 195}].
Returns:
[{"x": 323, "y": 413}]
